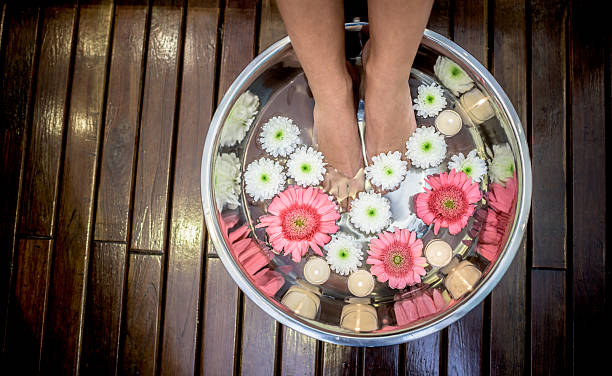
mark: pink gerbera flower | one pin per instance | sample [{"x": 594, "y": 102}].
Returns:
[
  {"x": 299, "y": 218},
  {"x": 449, "y": 203},
  {"x": 397, "y": 257}
]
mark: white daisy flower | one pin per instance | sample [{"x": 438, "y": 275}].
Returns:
[
  {"x": 279, "y": 136},
  {"x": 264, "y": 178},
  {"x": 227, "y": 180},
  {"x": 426, "y": 147},
  {"x": 502, "y": 165},
  {"x": 370, "y": 212},
  {"x": 430, "y": 100},
  {"x": 472, "y": 165},
  {"x": 452, "y": 76},
  {"x": 387, "y": 170},
  {"x": 306, "y": 166},
  {"x": 239, "y": 119},
  {"x": 344, "y": 254}
]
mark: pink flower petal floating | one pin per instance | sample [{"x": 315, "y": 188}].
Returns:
[
  {"x": 397, "y": 257},
  {"x": 502, "y": 207},
  {"x": 299, "y": 218},
  {"x": 419, "y": 306},
  {"x": 450, "y": 202},
  {"x": 248, "y": 253}
]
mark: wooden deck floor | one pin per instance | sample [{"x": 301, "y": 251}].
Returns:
[{"x": 105, "y": 267}]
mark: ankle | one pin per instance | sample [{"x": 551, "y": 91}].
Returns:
[{"x": 333, "y": 92}]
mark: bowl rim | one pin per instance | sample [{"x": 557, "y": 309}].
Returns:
[{"x": 444, "y": 46}]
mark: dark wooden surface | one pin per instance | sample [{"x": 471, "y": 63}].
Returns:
[{"x": 105, "y": 265}]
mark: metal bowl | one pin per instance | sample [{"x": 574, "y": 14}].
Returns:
[{"x": 276, "y": 78}]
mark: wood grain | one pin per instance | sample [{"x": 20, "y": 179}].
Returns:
[
  {"x": 140, "y": 336},
  {"x": 27, "y": 311},
  {"x": 218, "y": 344},
  {"x": 382, "y": 360},
  {"x": 271, "y": 26},
  {"x": 259, "y": 335},
  {"x": 465, "y": 344},
  {"x": 299, "y": 353},
  {"x": 42, "y": 165},
  {"x": 151, "y": 195},
  {"x": 103, "y": 309},
  {"x": 122, "y": 118},
  {"x": 548, "y": 322},
  {"x": 339, "y": 360},
  {"x": 470, "y": 23},
  {"x": 589, "y": 39},
  {"x": 17, "y": 64},
  {"x": 423, "y": 356},
  {"x": 62, "y": 339},
  {"x": 440, "y": 17},
  {"x": 548, "y": 144},
  {"x": 187, "y": 233}
]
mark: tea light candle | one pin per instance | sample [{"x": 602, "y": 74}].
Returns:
[
  {"x": 449, "y": 122},
  {"x": 359, "y": 317},
  {"x": 361, "y": 283},
  {"x": 302, "y": 301},
  {"x": 462, "y": 279},
  {"x": 477, "y": 106},
  {"x": 438, "y": 253},
  {"x": 316, "y": 271}
]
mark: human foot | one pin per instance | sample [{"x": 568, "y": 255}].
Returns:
[{"x": 337, "y": 137}]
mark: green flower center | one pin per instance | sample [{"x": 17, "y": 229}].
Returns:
[
  {"x": 371, "y": 212},
  {"x": 264, "y": 178},
  {"x": 388, "y": 171},
  {"x": 279, "y": 135},
  {"x": 511, "y": 168},
  {"x": 455, "y": 71},
  {"x": 467, "y": 170},
  {"x": 430, "y": 99},
  {"x": 300, "y": 222},
  {"x": 426, "y": 146},
  {"x": 449, "y": 204},
  {"x": 343, "y": 253},
  {"x": 397, "y": 260},
  {"x": 305, "y": 167}
]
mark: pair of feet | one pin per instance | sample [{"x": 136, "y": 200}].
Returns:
[{"x": 389, "y": 118}]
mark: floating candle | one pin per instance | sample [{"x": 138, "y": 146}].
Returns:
[
  {"x": 462, "y": 279},
  {"x": 361, "y": 283},
  {"x": 316, "y": 271},
  {"x": 359, "y": 317},
  {"x": 477, "y": 106},
  {"x": 438, "y": 253},
  {"x": 302, "y": 301},
  {"x": 449, "y": 122}
]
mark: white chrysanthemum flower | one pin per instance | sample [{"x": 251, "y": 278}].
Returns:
[
  {"x": 279, "y": 136},
  {"x": 452, "y": 76},
  {"x": 426, "y": 147},
  {"x": 239, "y": 119},
  {"x": 264, "y": 178},
  {"x": 370, "y": 212},
  {"x": 387, "y": 170},
  {"x": 306, "y": 166},
  {"x": 430, "y": 100},
  {"x": 344, "y": 254},
  {"x": 472, "y": 165},
  {"x": 227, "y": 180},
  {"x": 502, "y": 165}
]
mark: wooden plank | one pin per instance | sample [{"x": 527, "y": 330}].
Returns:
[
  {"x": 218, "y": 355},
  {"x": 19, "y": 39},
  {"x": 187, "y": 232},
  {"x": 508, "y": 301},
  {"x": 339, "y": 360},
  {"x": 423, "y": 356},
  {"x": 465, "y": 344},
  {"x": 140, "y": 337},
  {"x": 258, "y": 350},
  {"x": 103, "y": 310},
  {"x": 122, "y": 119},
  {"x": 381, "y": 360},
  {"x": 27, "y": 311},
  {"x": 271, "y": 27},
  {"x": 589, "y": 33},
  {"x": 548, "y": 144},
  {"x": 299, "y": 354},
  {"x": 62, "y": 339},
  {"x": 548, "y": 322},
  {"x": 42, "y": 165},
  {"x": 471, "y": 27},
  {"x": 157, "y": 128},
  {"x": 439, "y": 20}
]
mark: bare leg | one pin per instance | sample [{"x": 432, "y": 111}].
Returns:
[
  {"x": 316, "y": 29},
  {"x": 396, "y": 30}
]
